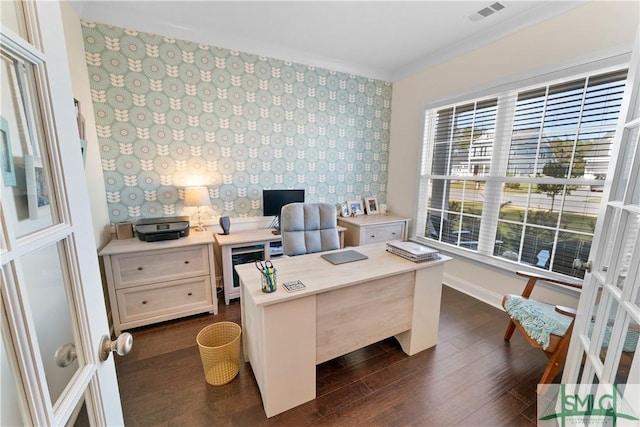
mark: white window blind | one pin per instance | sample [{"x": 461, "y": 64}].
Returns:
[{"x": 519, "y": 175}]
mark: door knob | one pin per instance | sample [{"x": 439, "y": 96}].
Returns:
[
  {"x": 121, "y": 346},
  {"x": 66, "y": 354}
]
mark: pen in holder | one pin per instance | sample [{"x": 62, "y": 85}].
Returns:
[
  {"x": 269, "y": 280},
  {"x": 268, "y": 276}
]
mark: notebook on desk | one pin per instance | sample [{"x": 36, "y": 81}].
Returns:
[{"x": 344, "y": 256}]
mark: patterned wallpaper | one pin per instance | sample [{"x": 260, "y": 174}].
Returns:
[{"x": 172, "y": 113}]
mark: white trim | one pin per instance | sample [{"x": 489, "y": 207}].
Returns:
[
  {"x": 495, "y": 299},
  {"x": 19, "y": 47},
  {"x": 478, "y": 292},
  {"x": 12, "y": 353},
  {"x": 26, "y": 349}
]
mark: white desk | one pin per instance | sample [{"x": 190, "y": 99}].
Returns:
[
  {"x": 244, "y": 242},
  {"x": 343, "y": 308}
]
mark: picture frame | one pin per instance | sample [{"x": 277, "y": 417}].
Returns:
[
  {"x": 6, "y": 154},
  {"x": 26, "y": 117},
  {"x": 41, "y": 188},
  {"x": 371, "y": 205},
  {"x": 355, "y": 207},
  {"x": 344, "y": 209}
]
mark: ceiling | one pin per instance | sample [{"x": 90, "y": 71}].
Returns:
[{"x": 385, "y": 40}]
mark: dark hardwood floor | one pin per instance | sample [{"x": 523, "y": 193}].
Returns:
[{"x": 470, "y": 378}]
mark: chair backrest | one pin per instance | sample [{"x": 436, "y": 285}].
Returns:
[{"x": 308, "y": 228}]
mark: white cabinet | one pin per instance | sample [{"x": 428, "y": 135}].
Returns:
[
  {"x": 151, "y": 282},
  {"x": 367, "y": 229},
  {"x": 243, "y": 247}
]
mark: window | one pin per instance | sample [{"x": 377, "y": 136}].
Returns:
[{"x": 518, "y": 174}]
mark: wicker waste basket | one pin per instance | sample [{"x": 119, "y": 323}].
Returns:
[{"x": 219, "y": 346}]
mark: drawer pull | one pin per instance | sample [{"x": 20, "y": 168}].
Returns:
[
  {"x": 144, "y": 302},
  {"x": 190, "y": 293},
  {"x": 186, "y": 262},
  {"x": 140, "y": 268},
  {"x": 372, "y": 236}
]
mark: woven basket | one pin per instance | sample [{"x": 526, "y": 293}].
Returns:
[{"x": 219, "y": 346}]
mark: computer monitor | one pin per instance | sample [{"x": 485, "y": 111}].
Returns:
[{"x": 274, "y": 200}]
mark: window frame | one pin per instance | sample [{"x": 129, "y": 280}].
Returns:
[{"x": 499, "y": 163}]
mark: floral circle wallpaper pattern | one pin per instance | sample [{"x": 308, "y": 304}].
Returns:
[{"x": 171, "y": 113}]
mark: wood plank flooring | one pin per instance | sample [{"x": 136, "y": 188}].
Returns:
[{"x": 471, "y": 378}]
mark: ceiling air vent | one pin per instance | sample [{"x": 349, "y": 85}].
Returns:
[{"x": 484, "y": 12}]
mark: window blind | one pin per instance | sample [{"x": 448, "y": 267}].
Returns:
[{"x": 518, "y": 175}]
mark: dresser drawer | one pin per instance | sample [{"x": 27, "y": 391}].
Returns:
[
  {"x": 161, "y": 265},
  {"x": 381, "y": 233},
  {"x": 186, "y": 296}
]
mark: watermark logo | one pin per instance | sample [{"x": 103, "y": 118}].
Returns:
[{"x": 588, "y": 405}]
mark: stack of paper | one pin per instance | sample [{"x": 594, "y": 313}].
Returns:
[{"x": 412, "y": 251}]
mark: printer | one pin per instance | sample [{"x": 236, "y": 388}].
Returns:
[{"x": 167, "y": 228}]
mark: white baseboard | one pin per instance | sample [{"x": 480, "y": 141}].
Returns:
[{"x": 475, "y": 291}]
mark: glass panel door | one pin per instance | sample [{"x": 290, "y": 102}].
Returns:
[
  {"x": 52, "y": 305},
  {"x": 604, "y": 349},
  {"x": 25, "y": 168},
  {"x": 44, "y": 276}
]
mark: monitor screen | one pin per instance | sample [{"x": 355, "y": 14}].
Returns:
[{"x": 274, "y": 200}]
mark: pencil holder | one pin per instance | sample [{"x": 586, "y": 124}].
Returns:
[{"x": 269, "y": 281}]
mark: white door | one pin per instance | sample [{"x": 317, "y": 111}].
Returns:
[
  {"x": 606, "y": 350},
  {"x": 52, "y": 306}
]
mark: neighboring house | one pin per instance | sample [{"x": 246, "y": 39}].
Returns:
[
  {"x": 524, "y": 152},
  {"x": 595, "y": 163},
  {"x": 480, "y": 153},
  {"x": 527, "y": 155},
  {"x": 476, "y": 160}
]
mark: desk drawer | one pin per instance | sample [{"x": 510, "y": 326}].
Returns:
[
  {"x": 170, "y": 298},
  {"x": 158, "y": 266},
  {"x": 381, "y": 233}
]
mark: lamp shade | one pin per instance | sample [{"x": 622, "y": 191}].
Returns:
[{"x": 196, "y": 196}]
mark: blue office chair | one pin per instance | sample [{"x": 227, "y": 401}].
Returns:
[{"x": 308, "y": 228}]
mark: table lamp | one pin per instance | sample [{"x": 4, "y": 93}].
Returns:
[{"x": 197, "y": 196}]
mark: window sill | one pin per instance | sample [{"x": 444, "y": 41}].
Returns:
[{"x": 497, "y": 264}]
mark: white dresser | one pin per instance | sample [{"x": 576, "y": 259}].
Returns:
[
  {"x": 367, "y": 229},
  {"x": 151, "y": 282}
]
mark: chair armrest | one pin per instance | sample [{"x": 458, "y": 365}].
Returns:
[
  {"x": 534, "y": 277},
  {"x": 563, "y": 282},
  {"x": 567, "y": 311}
]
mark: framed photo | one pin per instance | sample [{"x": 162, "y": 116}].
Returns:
[
  {"x": 344, "y": 209},
  {"x": 26, "y": 114},
  {"x": 371, "y": 205},
  {"x": 6, "y": 155},
  {"x": 42, "y": 189},
  {"x": 355, "y": 207}
]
